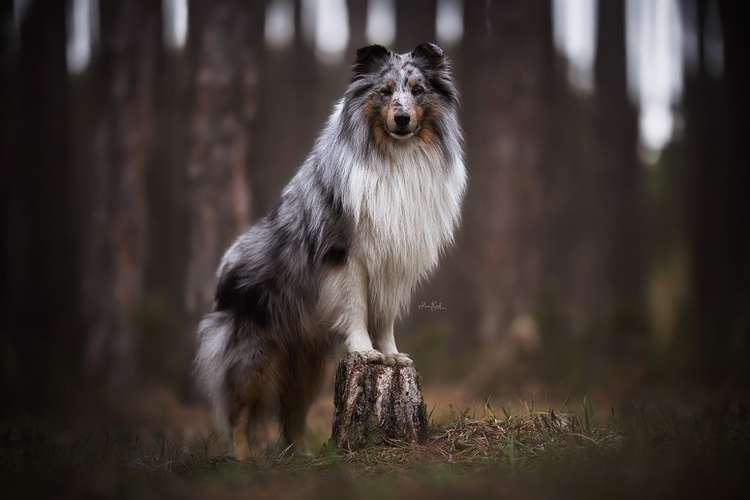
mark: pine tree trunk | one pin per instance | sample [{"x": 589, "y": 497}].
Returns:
[
  {"x": 226, "y": 44},
  {"x": 505, "y": 155},
  {"x": 122, "y": 142},
  {"x": 376, "y": 403}
]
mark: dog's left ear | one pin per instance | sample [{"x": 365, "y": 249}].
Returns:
[{"x": 429, "y": 52}]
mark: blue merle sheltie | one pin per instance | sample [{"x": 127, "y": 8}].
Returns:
[{"x": 363, "y": 221}]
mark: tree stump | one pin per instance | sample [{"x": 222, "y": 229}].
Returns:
[{"x": 376, "y": 403}]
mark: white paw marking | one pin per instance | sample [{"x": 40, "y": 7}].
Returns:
[
  {"x": 399, "y": 359},
  {"x": 371, "y": 356}
]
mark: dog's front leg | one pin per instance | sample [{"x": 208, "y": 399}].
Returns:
[
  {"x": 355, "y": 311},
  {"x": 386, "y": 342},
  {"x": 345, "y": 298}
]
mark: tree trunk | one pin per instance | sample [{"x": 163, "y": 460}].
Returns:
[
  {"x": 376, "y": 403},
  {"x": 39, "y": 322},
  {"x": 617, "y": 192},
  {"x": 225, "y": 42},
  {"x": 716, "y": 204},
  {"x": 122, "y": 143},
  {"x": 736, "y": 240},
  {"x": 503, "y": 216},
  {"x": 415, "y": 23}
]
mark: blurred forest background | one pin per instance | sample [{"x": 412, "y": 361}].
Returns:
[{"x": 605, "y": 245}]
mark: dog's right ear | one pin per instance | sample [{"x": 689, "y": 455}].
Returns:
[{"x": 368, "y": 58}]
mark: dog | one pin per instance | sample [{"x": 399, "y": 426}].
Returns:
[{"x": 361, "y": 224}]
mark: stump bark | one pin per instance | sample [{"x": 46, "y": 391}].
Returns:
[{"x": 376, "y": 403}]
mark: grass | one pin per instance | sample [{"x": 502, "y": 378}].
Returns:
[{"x": 577, "y": 452}]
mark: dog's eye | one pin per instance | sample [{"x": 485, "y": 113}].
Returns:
[
  {"x": 386, "y": 91},
  {"x": 417, "y": 90}
]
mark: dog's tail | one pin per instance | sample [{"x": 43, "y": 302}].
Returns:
[{"x": 211, "y": 362}]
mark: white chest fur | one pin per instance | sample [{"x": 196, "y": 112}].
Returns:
[{"x": 405, "y": 209}]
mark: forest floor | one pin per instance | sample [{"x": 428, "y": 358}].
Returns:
[{"x": 575, "y": 451}]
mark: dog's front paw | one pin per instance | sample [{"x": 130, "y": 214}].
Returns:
[
  {"x": 398, "y": 359},
  {"x": 371, "y": 356}
]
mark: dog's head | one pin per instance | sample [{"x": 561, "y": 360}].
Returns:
[{"x": 403, "y": 96}]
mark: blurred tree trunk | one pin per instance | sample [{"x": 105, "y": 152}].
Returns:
[
  {"x": 504, "y": 112},
  {"x": 593, "y": 245},
  {"x": 617, "y": 193},
  {"x": 89, "y": 93},
  {"x": 617, "y": 174},
  {"x": 357, "y": 25},
  {"x": 734, "y": 22},
  {"x": 226, "y": 44},
  {"x": 286, "y": 124},
  {"x": 716, "y": 129},
  {"x": 573, "y": 259},
  {"x": 703, "y": 101},
  {"x": 39, "y": 335},
  {"x": 118, "y": 228},
  {"x": 415, "y": 23},
  {"x": 165, "y": 320}
]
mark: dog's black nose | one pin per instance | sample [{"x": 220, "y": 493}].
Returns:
[{"x": 402, "y": 119}]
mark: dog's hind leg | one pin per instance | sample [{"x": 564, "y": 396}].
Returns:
[
  {"x": 248, "y": 419},
  {"x": 251, "y": 384},
  {"x": 299, "y": 390},
  {"x": 239, "y": 421},
  {"x": 293, "y": 416},
  {"x": 245, "y": 417}
]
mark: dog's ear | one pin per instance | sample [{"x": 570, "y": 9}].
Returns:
[
  {"x": 437, "y": 69},
  {"x": 368, "y": 58},
  {"x": 432, "y": 54}
]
